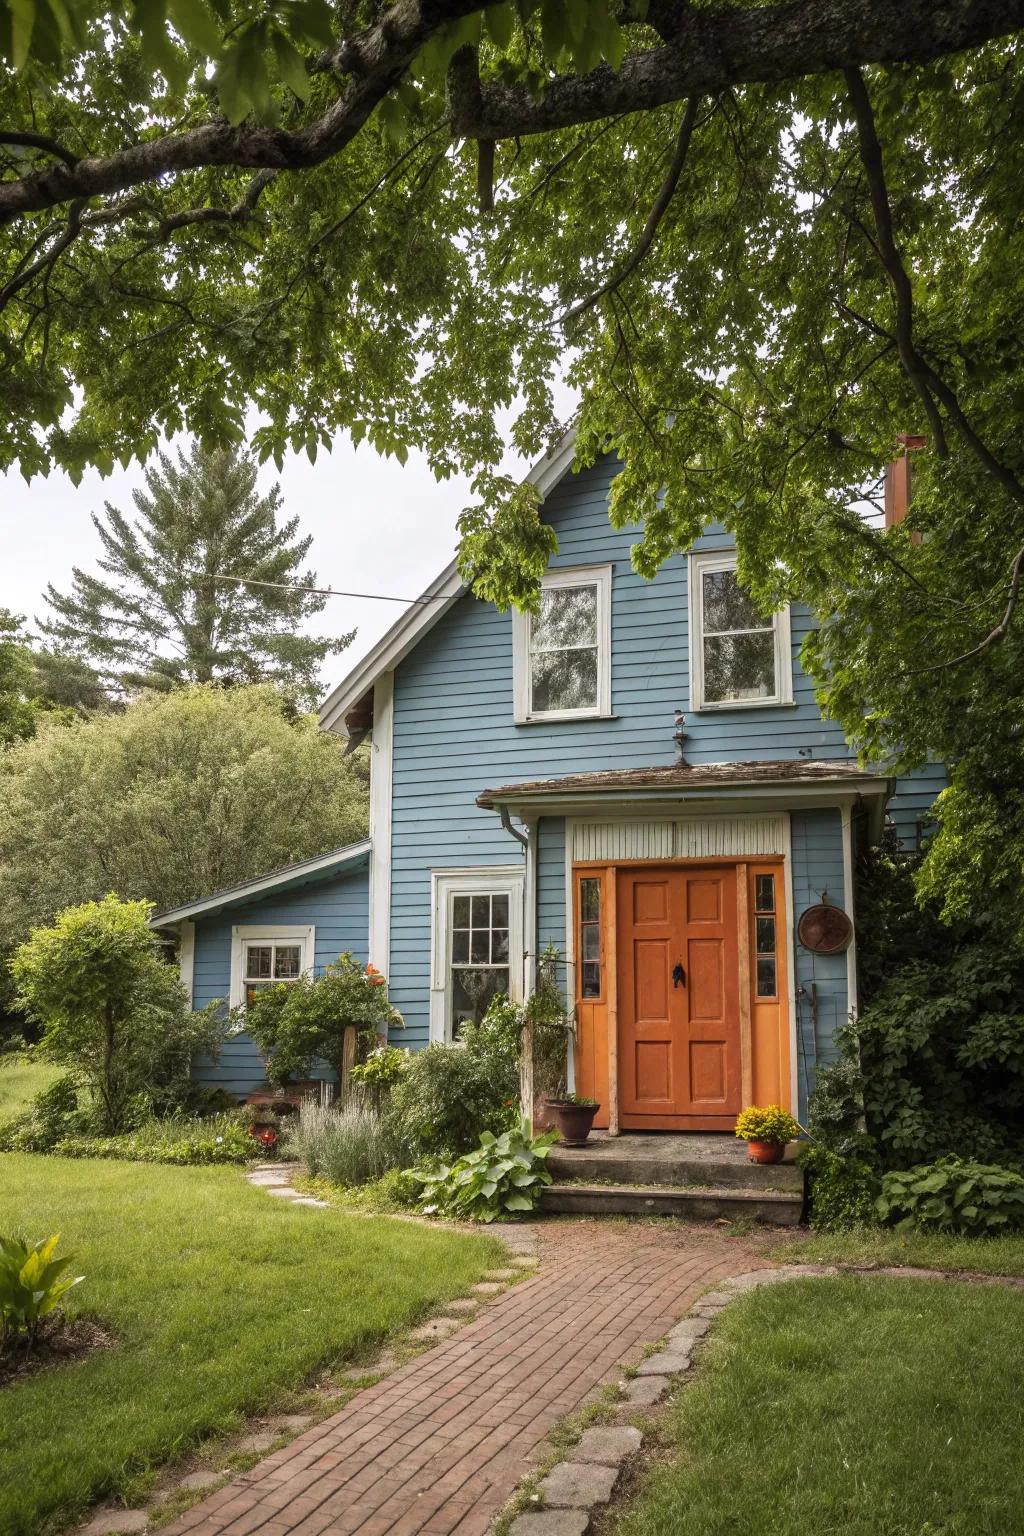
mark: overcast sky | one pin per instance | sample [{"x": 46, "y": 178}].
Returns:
[{"x": 377, "y": 528}]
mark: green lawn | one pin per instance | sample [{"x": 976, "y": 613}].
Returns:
[
  {"x": 849, "y": 1407},
  {"x": 21, "y": 1080},
  {"x": 925, "y": 1250},
  {"x": 219, "y": 1296}
]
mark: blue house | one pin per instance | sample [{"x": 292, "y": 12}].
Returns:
[{"x": 638, "y": 776}]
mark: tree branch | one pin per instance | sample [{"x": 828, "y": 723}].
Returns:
[
  {"x": 38, "y": 141},
  {"x": 661, "y": 203},
  {"x": 710, "y": 51},
  {"x": 997, "y": 633}
]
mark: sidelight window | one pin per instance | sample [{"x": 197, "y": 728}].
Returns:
[
  {"x": 765, "y": 930},
  {"x": 590, "y": 937}
]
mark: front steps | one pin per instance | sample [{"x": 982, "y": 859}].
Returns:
[{"x": 698, "y": 1177}]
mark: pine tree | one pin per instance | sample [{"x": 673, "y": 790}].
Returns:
[{"x": 160, "y": 618}]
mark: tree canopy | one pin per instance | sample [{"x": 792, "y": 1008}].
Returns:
[
  {"x": 165, "y": 613},
  {"x": 178, "y": 795},
  {"x": 761, "y": 240}
]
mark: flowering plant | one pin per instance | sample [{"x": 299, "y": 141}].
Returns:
[
  {"x": 769, "y": 1123},
  {"x": 300, "y": 1024}
]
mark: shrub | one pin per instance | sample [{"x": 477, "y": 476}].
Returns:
[
  {"x": 450, "y": 1094},
  {"x": 178, "y": 1139},
  {"x": 375, "y": 1077},
  {"x": 770, "y": 1123},
  {"x": 348, "y": 1146},
  {"x": 843, "y": 1188},
  {"x": 503, "y": 1177},
  {"x": 975, "y": 1199},
  {"x": 303, "y": 1023},
  {"x": 32, "y": 1283},
  {"x": 51, "y": 1116},
  {"x": 113, "y": 1011}
]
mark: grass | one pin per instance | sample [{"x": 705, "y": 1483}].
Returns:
[
  {"x": 20, "y": 1080},
  {"x": 859, "y": 1406},
  {"x": 220, "y": 1299},
  {"x": 924, "y": 1250}
]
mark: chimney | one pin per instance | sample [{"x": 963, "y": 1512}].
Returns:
[{"x": 898, "y": 480}]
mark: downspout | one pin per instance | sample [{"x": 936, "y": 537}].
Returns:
[{"x": 516, "y": 832}]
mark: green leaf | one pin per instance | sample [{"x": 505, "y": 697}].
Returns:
[{"x": 291, "y": 66}]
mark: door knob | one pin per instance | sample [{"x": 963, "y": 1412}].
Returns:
[{"x": 678, "y": 975}]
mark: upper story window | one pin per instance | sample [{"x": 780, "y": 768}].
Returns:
[
  {"x": 562, "y": 653},
  {"x": 738, "y": 658}
]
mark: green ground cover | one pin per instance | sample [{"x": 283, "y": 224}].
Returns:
[
  {"x": 20, "y": 1081},
  {"x": 926, "y": 1250},
  {"x": 848, "y": 1407},
  {"x": 219, "y": 1297}
]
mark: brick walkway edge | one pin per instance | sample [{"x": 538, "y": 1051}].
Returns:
[{"x": 439, "y": 1446}]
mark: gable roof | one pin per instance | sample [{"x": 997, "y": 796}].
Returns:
[
  {"x": 288, "y": 877},
  {"x": 430, "y": 606}
]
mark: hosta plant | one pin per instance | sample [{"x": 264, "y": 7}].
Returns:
[
  {"x": 32, "y": 1283},
  {"x": 977, "y": 1199},
  {"x": 502, "y": 1177}
]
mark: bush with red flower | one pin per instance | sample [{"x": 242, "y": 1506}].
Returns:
[{"x": 300, "y": 1026}]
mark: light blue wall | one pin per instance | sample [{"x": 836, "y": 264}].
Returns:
[
  {"x": 817, "y": 849},
  {"x": 454, "y": 732},
  {"x": 338, "y": 909}
]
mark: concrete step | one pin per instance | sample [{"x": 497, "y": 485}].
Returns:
[
  {"x": 655, "y": 1163},
  {"x": 777, "y": 1206}
]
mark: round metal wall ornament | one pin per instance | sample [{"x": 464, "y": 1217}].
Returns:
[{"x": 824, "y": 929}]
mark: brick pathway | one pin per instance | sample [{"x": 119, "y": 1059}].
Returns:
[{"x": 439, "y": 1446}]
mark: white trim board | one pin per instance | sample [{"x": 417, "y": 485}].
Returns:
[
  {"x": 187, "y": 956},
  {"x": 381, "y": 773},
  {"x": 704, "y": 837},
  {"x": 481, "y": 880},
  {"x": 725, "y": 560},
  {"x": 600, "y": 578},
  {"x": 433, "y": 603},
  {"x": 267, "y": 933}
]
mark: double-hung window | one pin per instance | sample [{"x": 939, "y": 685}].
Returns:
[
  {"x": 738, "y": 658},
  {"x": 263, "y": 956},
  {"x": 477, "y": 945},
  {"x": 562, "y": 653}
]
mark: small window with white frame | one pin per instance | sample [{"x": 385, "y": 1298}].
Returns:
[
  {"x": 477, "y": 945},
  {"x": 562, "y": 653},
  {"x": 738, "y": 658},
  {"x": 263, "y": 957}
]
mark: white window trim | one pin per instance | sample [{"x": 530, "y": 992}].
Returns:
[
  {"x": 725, "y": 560},
  {"x": 302, "y": 934},
  {"x": 445, "y": 884},
  {"x": 599, "y": 576}
]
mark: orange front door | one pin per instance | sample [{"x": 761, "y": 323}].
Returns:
[{"x": 679, "y": 1028}]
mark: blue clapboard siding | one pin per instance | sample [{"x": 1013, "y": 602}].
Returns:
[
  {"x": 454, "y": 732},
  {"x": 817, "y": 850},
  {"x": 338, "y": 909}
]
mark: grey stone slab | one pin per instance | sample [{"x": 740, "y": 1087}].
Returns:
[
  {"x": 260, "y": 1440},
  {"x": 311, "y": 1200},
  {"x": 551, "y": 1522},
  {"x": 606, "y": 1446},
  {"x": 195, "y": 1482},
  {"x": 294, "y": 1423},
  {"x": 578, "y": 1485},
  {"x": 688, "y": 1329},
  {"x": 106, "y": 1521},
  {"x": 665, "y": 1363},
  {"x": 645, "y": 1391},
  {"x": 488, "y": 1288},
  {"x": 283, "y": 1191},
  {"x": 499, "y": 1274},
  {"x": 436, "y": 1328},
  {"x": 262, "y": 1180},
  {"x": 716, "y": 1299},
  {"x": 525, "y": 1261}
]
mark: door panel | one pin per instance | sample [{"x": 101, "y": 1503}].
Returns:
[{"x": 679, "y": 1049}]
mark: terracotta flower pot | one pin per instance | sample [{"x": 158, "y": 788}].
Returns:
[
  {"x": 765, "y": 1151},
  {"x": 572, "y": 1121}
]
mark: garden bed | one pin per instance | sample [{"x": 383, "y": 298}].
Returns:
[{"x": 60, "y": 1341}]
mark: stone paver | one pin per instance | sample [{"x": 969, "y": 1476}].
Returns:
[
  {"x": 645, "y": 1391},
  {"x": 607, "y": 1447},
  {"x": 439, "y": 1446},
  {"x": 578, "y": 1485},
  {"x": 119, "y": 1520},
  {"x": 196, "y": 1481},
  {"x": 551, "y": 1522},
  {"x": 665, "y": 1363}
]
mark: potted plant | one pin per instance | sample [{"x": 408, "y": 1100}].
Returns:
[
  {"x": 766, "y": 1129},
  {"x": 574, "y": 1117}
]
